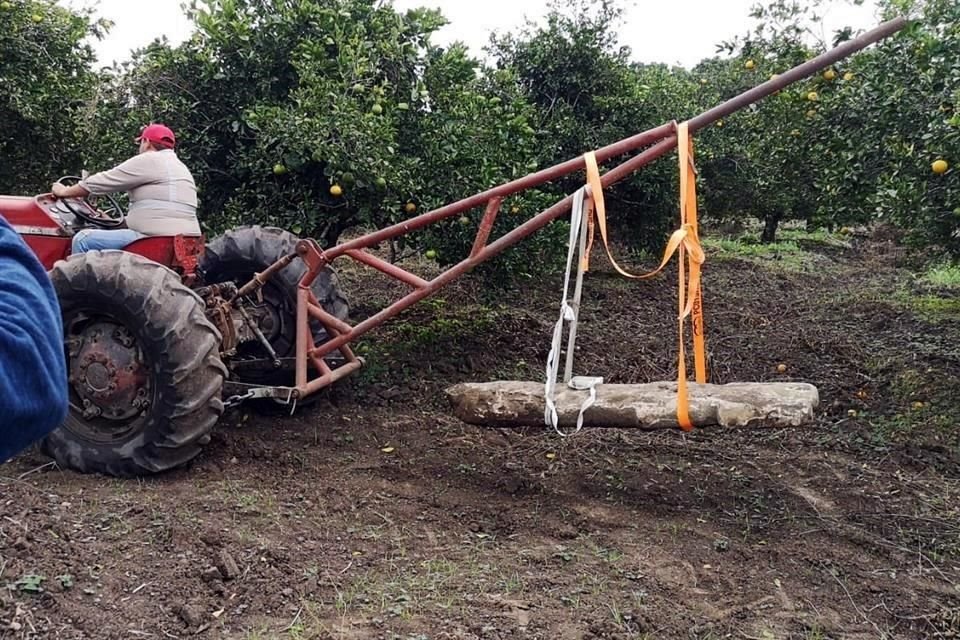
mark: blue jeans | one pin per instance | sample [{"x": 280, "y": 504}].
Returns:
[{"x": 99, "y": 239}]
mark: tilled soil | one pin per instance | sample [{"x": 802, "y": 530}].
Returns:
[{"x": 374, "y": 514}]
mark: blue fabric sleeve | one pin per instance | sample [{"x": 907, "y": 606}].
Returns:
[{"x": 33, "y": 375}]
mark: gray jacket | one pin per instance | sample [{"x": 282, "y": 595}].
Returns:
[{"x": 163, "y": 195}]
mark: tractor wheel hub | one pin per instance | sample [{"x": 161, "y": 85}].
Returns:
[
  {"x": 108, "y": 372},
  {"x": 98, "y": 377}
]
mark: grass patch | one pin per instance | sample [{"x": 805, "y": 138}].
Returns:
[
  {"x": 436, "y": 334},
  {"x": 928, "y": 307},
  {"x": 909, "y": 425},
  {"x": 438, "y": 326},
  {"x": 786, "y": 254},
  {"x": 802, "y": 235},
  {"x": 402, "y": 591},
  {"x": 935, "y": 308},
  {"x": 943, "y": 275}
]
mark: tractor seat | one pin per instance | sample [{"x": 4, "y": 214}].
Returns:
[{"x": 180, "y": 253}]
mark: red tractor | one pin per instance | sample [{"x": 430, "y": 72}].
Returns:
[{"x": 160, "y": 336}]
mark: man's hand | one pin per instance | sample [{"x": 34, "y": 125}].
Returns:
[{"x": 61, "y": 191}]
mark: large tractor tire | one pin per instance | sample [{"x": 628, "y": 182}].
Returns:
[
  {"x": 144, "y": 367},
  {"x": 240, "y": 253}
]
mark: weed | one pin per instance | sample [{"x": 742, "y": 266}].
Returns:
[
  {"x": 375, "y": 366},
  {"x": 803, "y": 235},
  {"x": 935, "y": 308},
  {"x": 787, "y": 253},
  {"x": 608, "y": 555},
  {"x": 929, "y": 307},
  {"x": 943, "y": 275},
  {"x": 565, "y": 555},
  {"x": 31, "y": 583},
  {"x": 572, "y": 601},
  {"x": 923, "y": 401},
  {"x": 512, "y": 584},
  {"x": 814, "y": 633}
]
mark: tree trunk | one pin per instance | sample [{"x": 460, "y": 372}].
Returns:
[
  {"x": 329, "y": 235},
  {"x": 770, "y": 224}
]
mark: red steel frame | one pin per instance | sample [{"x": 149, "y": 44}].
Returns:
[{"x": 663, "y": 139}]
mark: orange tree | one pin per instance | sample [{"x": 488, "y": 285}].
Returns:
[
  {"x": 46, "y": 84},
  {"x": 287, "y": 111},
  {"x": 897, "y": 129},
  {"x": 874, "y": 138},
  {"x": 764, "y": 161},
  {"x": 478, "y": 133},
  {"x": 587, "y": 93},
  {"x": 323, "y": 115}
]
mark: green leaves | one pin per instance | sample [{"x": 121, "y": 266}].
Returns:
[
  {"x": 861, "y": 150},
  {"x": 30, "y": 583},
  {"x": 46, "y": 84},
  {"x": 276, "y": 103}
]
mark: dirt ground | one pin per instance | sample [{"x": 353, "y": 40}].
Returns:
[{"x": 376, "y": 515}]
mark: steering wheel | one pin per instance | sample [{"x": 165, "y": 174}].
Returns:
[{"x": 110, "y": 218}]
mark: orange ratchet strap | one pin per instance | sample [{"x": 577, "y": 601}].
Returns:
[{"x": 686, "y": 243}]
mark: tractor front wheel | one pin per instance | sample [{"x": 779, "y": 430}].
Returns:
[{"x": 144, "y": 366}]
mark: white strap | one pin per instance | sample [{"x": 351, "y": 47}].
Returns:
[{"x": 568, "y": 313}]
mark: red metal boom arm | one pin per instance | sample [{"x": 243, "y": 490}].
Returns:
[{"x": 663, "y": 139}]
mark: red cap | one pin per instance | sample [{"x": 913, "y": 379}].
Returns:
[{"x": 159, "y": 134}]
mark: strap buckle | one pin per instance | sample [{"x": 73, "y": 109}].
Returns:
[{"x": 584, "y": 383}]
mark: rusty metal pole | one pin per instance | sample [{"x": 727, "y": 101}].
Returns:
[{"x": 799, "y": 72}]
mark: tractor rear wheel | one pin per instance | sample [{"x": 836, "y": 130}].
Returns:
[
  {"x": 144, "y": 366},
  {"x": 240, "y": 253}
]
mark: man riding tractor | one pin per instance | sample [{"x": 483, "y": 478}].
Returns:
[{"x": 163, "y": 195}]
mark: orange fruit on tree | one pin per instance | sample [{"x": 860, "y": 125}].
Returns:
[{"x": 940, "y": 166}]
